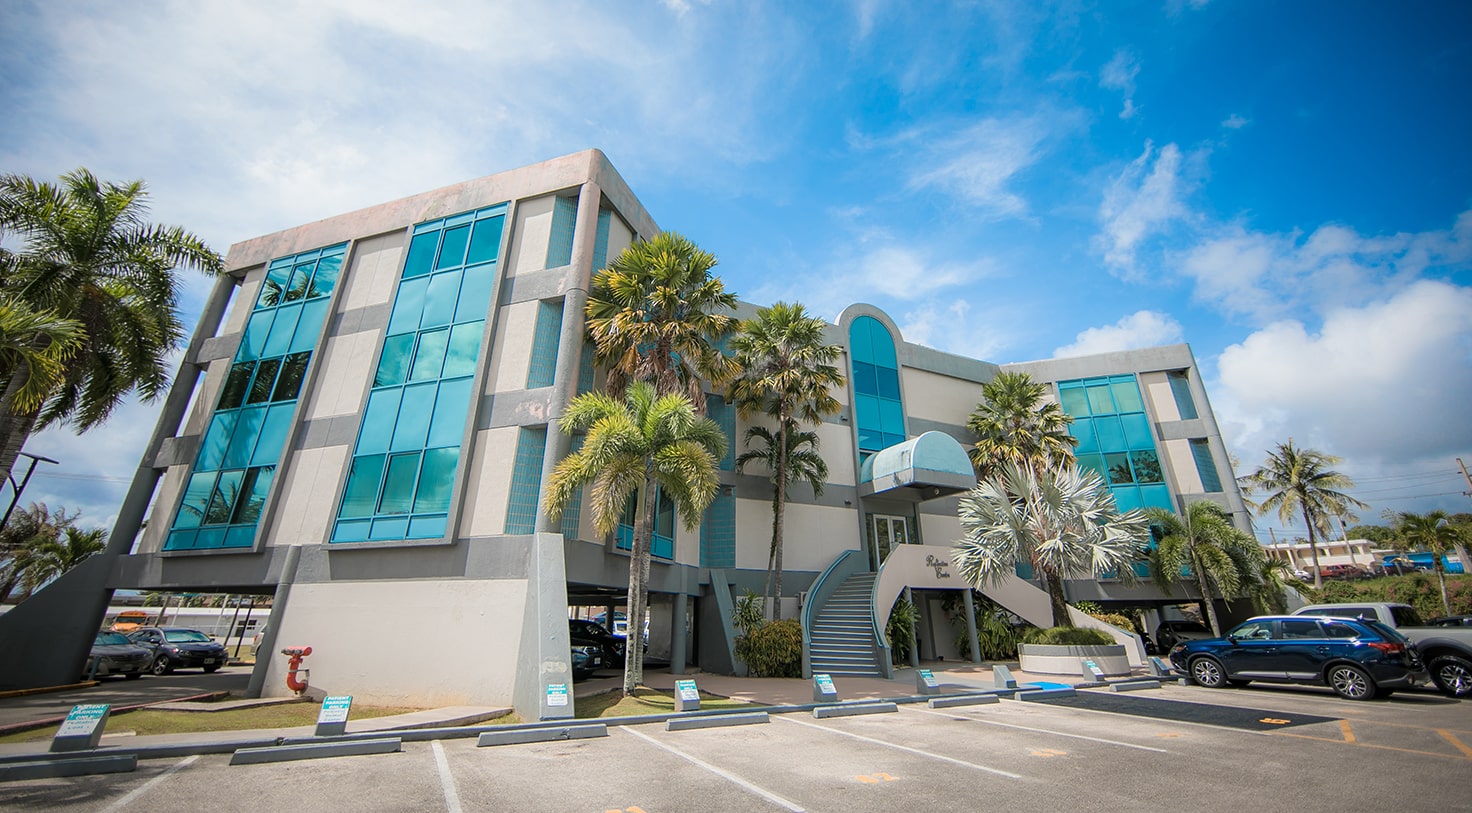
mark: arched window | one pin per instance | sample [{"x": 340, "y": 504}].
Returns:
[{"x": 879, "y": 413}]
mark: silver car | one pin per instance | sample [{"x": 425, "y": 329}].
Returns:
[{"x": 113, "y": 654}]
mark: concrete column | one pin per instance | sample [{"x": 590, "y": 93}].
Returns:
[
  {"x": 570, "y": 344},
  {"x": 677, "y": 634},
  {"x": 971, "y": 626},
  {"x": 257, "y": 682}
]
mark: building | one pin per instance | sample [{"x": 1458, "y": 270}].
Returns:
[{"x": 374, "y": 399}]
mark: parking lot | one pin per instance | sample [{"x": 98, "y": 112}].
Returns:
[{"x": 1180, "y": 746}]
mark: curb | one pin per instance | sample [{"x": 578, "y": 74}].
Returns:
[
  {"x": 16, "y": 728},
  {"x": 86, "y": 684}
]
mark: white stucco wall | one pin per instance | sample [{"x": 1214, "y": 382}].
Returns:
[
  {"x": 812, "y": 535},
  {"x": 1183, "y": 465},
  {"x": 511, "y": 351},
  {"x": 161, "y": 514},
  {"x": 373, "y": 272},
  {"x": 489, "y": 486},
  {"x": 620, "y": 236},
  {"x": 344, "y": 371},
  {"x": 364, "y": 636},
  {"x": 1158, "y": 394},
  {"x": 530, "y": 233},
  {"x": 936, "y": 397},
  {"x": 308, "y": 497}
]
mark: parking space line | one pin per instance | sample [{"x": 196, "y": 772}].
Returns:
[
  {"x": 1452, "y": 738},
  {"x": 899, "y": 747},
  {"x": 726, "y": 775},
  {"x": 447, "y": 780},
  {"x": 1347, "y": 730},
  {"x": 146, "y": 786},
  {"x": 1045, "y": 731},
  {"x": 1172, "y": 722},
  {"x": 1371, "y": 745}
]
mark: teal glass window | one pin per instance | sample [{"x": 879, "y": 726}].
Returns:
[
  {"x": 600, "y": 242},
  {"x": 718, "y": 533},
  {"x": 1180, "y": 388},
  {"x": 402, "y": 476},
  {"x": 586, "y": 369},
  {"x": 662, "y": 541},
  {"x": 1115, "y": 438},
  {"x": 543, "y": 369},
  {"x": 237, "y": 458},
  {"x": 559, "y": 242},
  {"x": 572, "y": 513},
  {"x": 1211, "y": 482},
  {"x": 526, "y": 481},
  {"x": 879, "y": 414}
]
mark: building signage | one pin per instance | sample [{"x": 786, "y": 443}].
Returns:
[
  {"x": 557, "y": 694},
  {"x": 687, "y": 690},
  {"x": 942, "y": 567},
  {"x": 825, "y": 683},
  {"x": 928, "y": 678},
  {"x": 335, "y": 709}
]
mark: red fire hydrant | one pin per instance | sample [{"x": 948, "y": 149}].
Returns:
[{"x": 294, "y": 668}]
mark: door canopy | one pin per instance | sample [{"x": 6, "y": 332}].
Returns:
[{"x": 923, "y": 468}]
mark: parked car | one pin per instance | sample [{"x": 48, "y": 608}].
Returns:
[
  {"x": 620, "y": 626},
  {"x": 113, "y": 654},
  {"x": 1359, "y": 659},
  {"x": 1451, "y": 621},
  {"x": 1346, "y": 572},
  {"x": 1446, "y": 650},
  {"x": 587, "y": 656},
  {"x": 611, "y": 645},
  {"x": 175, "y": 647},
  {"x": 1170, "y": 633}
]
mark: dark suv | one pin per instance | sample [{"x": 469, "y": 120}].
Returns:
[
  {"x": 1357, "y": 658},
  {"x": 612, "y": 645}
]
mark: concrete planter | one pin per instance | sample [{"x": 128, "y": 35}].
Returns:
[{"x": 1048, "y": 659}]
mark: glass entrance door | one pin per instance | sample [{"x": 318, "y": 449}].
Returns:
[{"x": 885, "y": 532}]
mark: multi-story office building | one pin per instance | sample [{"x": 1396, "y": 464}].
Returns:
[{"x": 366, "y": 421}]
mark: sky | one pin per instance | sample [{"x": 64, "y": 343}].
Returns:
[{"x": 1284, "y": 186}]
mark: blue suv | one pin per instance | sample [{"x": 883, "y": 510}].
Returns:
[{"x": 1357, "y": 658}]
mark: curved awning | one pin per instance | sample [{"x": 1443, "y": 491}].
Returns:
[{"x": 923, "y": 468}]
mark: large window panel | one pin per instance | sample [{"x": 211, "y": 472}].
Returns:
[
  {"x": 451, "y": 405},
  {"x": 464, "y": 345},
  {"x": 408, "y": 305},
  {"x": 436, "y": 480},
  {"x": 273, "y": 435},
  {"x": 309, "y": 326},
  {"x": 253, "y": 344},
  {"x": 452, "y": 250},
  {"x": 398, "y": 483},
  {"x": 274, "y": 286},
  {"x": 421, "y": 255},
  {"x": 393, "y": 364},
  {"x": 475, "y": 293},
  {"x": 243, "y": 439},
  {"x": 378, "y": 421},
  {"x": 236, "y": 385},
  {"x": 440, "y": 299},
  {"x": 325, "y": 281},
  {"x": 364, "y": 480},
  {"x": 222, "y": 503},
  {"x": 415, "y": 410},
  {"x": 289, "y": 380},
  {"x": 265, "y": 381},
  {"x": 279, "y": 342},
  {"x": 253, "y": 490},
  {"x": 1075, "y": 401},
  {"x": 196, "y": 500},
  {"x": 430, "y": 356},
  {"x": 485, "y": 242}
]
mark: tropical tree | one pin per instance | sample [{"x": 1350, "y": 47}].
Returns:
[
  {"x": 787, "y": 373},
  {"x": 1204, "y": 541},
  {"x": 1062, "y": 521},
  {"x": 1013, "y": 424},
  {"x": 88, "y": 255},
  {"x": 790, "y": 455},
  {"x": 1301, "y": 480},
  {"x": 1434, "y": 533},
  {"x": 23, "y": 536},
  {"x": 643, "y": 445},
  {"x": 34, "y": 347},
  {"x": 655, "y": 314},
  {"x": 53, "y": 557}
]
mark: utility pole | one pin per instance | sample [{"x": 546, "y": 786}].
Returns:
[{"x": 1465, "y": 476}]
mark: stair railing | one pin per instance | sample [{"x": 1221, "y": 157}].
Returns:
[{"x": 846, "y": 564}]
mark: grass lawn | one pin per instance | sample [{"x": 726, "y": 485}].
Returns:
[
  {"x": 149, "y": 721},
  {"x": 645, "y": 701}
]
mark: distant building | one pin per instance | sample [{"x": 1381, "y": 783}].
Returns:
[{"x": 372, "y": 427}]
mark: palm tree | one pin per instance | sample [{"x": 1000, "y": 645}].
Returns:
[
  {"x": 646, "y": 444},
  {"x": 791, "y": 455},
  {"x": 1430, "y": 532},
  {"x": 788, "y": 373},
  {"x": 54, "y": 557},
  {"x": 1062, "y": 521},
  {"x": 1204, "y": 540},
  {"x": 34, "y": 346},
  {"x": 655, "y": 314},
  {"x": 1300, "y": 480},
  {"x": 89, "y": 255},
  {"x": 26, "y": 532},
  {"x": 1013, "y": 424}
]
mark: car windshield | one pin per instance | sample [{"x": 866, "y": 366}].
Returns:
[
  {"x": 1406, "y": 617},
  {"x": 1386, "y": 633},
  {"x": 185, "y": 637},
  {"x": 111, "y": 639}
]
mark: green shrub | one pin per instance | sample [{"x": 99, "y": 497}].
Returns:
[
  {"x": 994, "y": 631},
  {"x": 773, "y": 649},
  {"x": 900, "y": 631},
  {"x": 1420, "y": 590},
  {"x": 749, "y": 613},
  {"x": 1067, "y": 636}
]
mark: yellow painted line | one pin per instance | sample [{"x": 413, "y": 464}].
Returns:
[
  {"x": 1370, "y": 745},
  {"x": 1348, "y": 732},
  {"x": 1050, "y": 752},
  {"x": 1452, "y": 738},
  {"x": 1169, "y": 734},
  {"x": 1275, "y": 721}
]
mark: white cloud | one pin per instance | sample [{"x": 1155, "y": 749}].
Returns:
[
  {"x": 1235, "y": 122},
  {"x": 1142, "y": 201},
  {"x": 1139, "y": 329},
  {"x": 956, "y": 326},
  {"x": 1385, "y": 383},
  {"x": 1119, "y": 74},
  {"x": 980, "y": 164}
]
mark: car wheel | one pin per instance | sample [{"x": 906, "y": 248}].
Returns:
[
  {"x": 1208, "y": 672},
  {"x": 1453, "y": 675},
  {"x": 1351, "y": 682},
  {"x": 161, "y": 665}
]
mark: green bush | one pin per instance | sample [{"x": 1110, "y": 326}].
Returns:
[
  {"x": 900, "y": 632},
  {"x": 994, "y": 631},
  {"x": 749, "y": 613},
  {"x": 773, "y": 649},
  {"x": 1124, "y": 622},
  {"x": 1067, "y": 636},
  {"x": 1420, "y": 590}
]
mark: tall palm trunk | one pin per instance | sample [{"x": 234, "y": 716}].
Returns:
[
  {"x": 1313, "y": 545},
  {"x": 15, "y": 427},
  {"x": 639, "y": 588},
  {"x": 1053, "y": 582},
  {"x": 779, "y": 504},
  {"x": 1207, "y": 600}
]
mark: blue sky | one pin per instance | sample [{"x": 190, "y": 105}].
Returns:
[{"x": 1284, "y": 186}]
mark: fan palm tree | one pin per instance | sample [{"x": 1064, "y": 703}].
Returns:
[
  {"x": 790, "y": 455},
  {"x": 1013, "y": 424},
  {"x": 788, "y": 373},
  {"x": 1430, "y": 532},
  {"x": 1061, "y": 521},
  {"x": 643, "y": 445},
  {"x": 89, "y": 255},
  {"x": 1301, "y": 480},
  {"x": 1215, "y": 551},
  {"x": 655, "y": 314}
]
